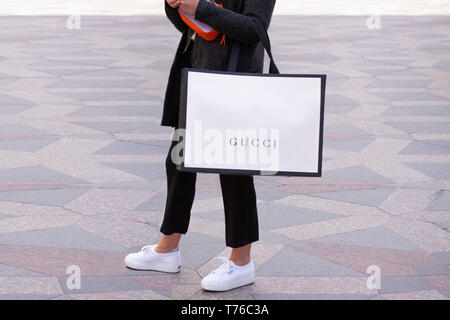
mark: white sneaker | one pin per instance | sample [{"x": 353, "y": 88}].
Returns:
[
  {"x": 229, "y": 276},
  {"x": 149, "y": 259}
]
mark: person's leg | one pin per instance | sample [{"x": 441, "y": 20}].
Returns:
[
  {"x": 180, "y": 197},
  {"x": 241, "y": 217},
  {"x": 241, "y": 256}
]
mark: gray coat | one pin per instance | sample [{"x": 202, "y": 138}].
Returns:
[{"x": 237, "y": 21}]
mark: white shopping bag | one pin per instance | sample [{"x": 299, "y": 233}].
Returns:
[{"x": 259, "y": 124}]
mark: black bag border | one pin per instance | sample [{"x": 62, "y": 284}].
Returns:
[{"x": 183, "y": 115}]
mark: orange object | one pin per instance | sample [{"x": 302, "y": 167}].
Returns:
[{"x": 202, "y": 29}]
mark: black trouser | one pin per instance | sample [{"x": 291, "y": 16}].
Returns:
[{"x": 239, "y": 199}]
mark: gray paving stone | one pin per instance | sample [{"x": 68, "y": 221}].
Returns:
[
  {"x": 337, "y": 99},
  {"x": 258, "y": 296},
  {"x": 113, "y": 127},
  {"x": 347, "y": 129},
  {"x": 6, "y": 81},
  {"x": 398, "y": 111},
  {"x": 151, "y": 129},
  {"x": 399, "y": 84},
  {"x": 377, "y": 71},
  {"x": 12, "y": 109},
  {"x": 371, "y": 197},
  {"x": 26, "y": 145},
  {"x": 28, "y": 296},
  {"x": 269, "y": 237},
  {"x": 198, "y": 249},
  {"x": 443, "y": 256},
  {"x": 9, "y": 271},
  {"x": 113, "y": 73},
  {"x": 377, "y": 237},
  {"x": 444, "y": 225},
  {"x": 117, "y": 111},
  {"x": 438, "y": 171},
  {"x": 441, "y": 203},
  {"x": 409, "y": 96},
  {"x": 431, "y": 270},
  {"x": 351, "y": 145},
  {"x": 62, "y": 237},
  {"x": 92, "y": 284},
  {"x": 426, "y": 36},
  {"x": 146, "y": 170},
  {"x": 156, "y": 202},
  {"x": 273, "y": 216},
  {"x": 122, "y": 147},
  {"x": 402, "y": 284},
  {"x": 11, "y": 100},
  {"x": 21, "y": 129},
  {"x": 421, "y": 127},
  {"x": 408, "y": 73},
  {"x": 266, "y": 194},
  {"x": 445, "y": 293},
  {"x": 301, "y": 264},
  {"x": 416, "y": 147},
  {"x": 52, "y": 197},
  {"x": 356, "y": 173},
  {"x": 69, "y": 83}
]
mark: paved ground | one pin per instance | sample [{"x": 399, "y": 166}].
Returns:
[{"x": 82, "y": 180}]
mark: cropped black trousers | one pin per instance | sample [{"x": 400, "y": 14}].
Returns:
[{"x": 239, "y": 200}]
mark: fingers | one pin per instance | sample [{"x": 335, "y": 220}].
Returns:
[{"x": 173, "y": 3}]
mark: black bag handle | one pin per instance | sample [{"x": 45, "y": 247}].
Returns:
[{"x": 265, "y": 40}]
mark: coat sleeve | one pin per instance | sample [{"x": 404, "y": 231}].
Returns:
[
  {"x": 174, "y": 17},
  {"x": 238, "y": 26}
]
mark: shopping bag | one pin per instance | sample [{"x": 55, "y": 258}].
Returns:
[{"x": 250, "y": 123}]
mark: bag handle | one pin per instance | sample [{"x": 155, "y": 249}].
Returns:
[{"x": 265, "y": 40}]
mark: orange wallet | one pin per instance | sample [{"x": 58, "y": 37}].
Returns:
[{"x": 202, "y": 29}]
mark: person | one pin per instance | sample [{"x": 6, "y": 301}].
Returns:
[{"x": 236, "y": 21}]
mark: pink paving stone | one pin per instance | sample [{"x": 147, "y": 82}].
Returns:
[
  {"x": 54, "y": 261},
  {"x": 168, "y": 281},
  {"x": 307, "y": 185},
  {"x": 208, "y": 184},
  {"x": 344, "y": 137},
  {"x": 359, "y": 263},
  {"x": 402, "y": 257},
  {"x": 439, "y": 282}
]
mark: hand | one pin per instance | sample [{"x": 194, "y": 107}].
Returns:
[
  {"x": 173, "y": 3},
  {"x": 189, "y": 6}
]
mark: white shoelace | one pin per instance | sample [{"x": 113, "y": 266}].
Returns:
[
  {"x": 226, "y": 266},
  {"x": 147, "y": 247}
]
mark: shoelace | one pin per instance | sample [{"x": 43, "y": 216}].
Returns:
[
  {"x": 147, "y": 247},
  {"x": 227, "y": 265}
]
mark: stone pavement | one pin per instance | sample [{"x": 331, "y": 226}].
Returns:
[{"x": 82, "y": 179}]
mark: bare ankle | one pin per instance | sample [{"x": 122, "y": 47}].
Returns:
[
  {"x": 240, "y": 261},
  {"x": 164, "y": 249}
]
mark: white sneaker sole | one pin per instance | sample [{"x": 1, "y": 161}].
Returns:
[
  {"x": 171, "y": 268},
  {"x": 226, "y": 287}
]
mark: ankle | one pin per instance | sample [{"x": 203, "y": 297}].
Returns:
[
  {"x": 164, "y": 249},
  {"x": 240, "y": 261}
]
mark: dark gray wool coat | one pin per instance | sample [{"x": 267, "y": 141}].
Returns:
[{"x": 237, "y": 21}]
